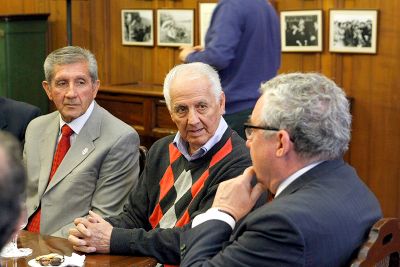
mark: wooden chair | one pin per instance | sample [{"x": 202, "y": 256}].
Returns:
[
  {"x": 142, "y": 158},
  {"x": 383, "y": 245}
]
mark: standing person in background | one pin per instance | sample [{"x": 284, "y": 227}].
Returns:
[
  {"x": 12, "y": 185},
  {"x": 80, "y": 157},
  {"x": 15, "y": 116},
  {"x": 243, "y": 45}
]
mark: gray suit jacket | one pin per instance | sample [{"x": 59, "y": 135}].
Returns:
[
  {"x": 319, "y": 220},
  {"x": 97, "y": 173}
]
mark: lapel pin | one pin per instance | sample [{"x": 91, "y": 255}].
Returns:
[{"x": 84, "y": 151}]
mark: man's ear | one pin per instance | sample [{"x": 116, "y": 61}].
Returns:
[
  {"x": 284, "y": 145},
  {"x": 96, "y": 86},
  {"x": 222, "y": 103},
  {"x": 46, "y": 87}
]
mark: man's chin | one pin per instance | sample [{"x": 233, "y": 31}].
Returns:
[
  {"x": 196, "y": 134},
  {"x": 70, "y": 116}
]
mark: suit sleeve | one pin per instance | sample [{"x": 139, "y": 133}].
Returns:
[
  {"x": 270, "y": 240},
  {"x": 118, "y": 174}
]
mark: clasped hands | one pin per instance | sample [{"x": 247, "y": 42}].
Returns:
[
  {"x": 237, "y": 196},
  {"x": 91, "y": 234}
]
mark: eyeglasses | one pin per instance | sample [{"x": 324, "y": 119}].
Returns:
[{"x": 248, "y": 129}]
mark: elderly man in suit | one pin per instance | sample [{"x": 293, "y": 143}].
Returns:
[
  {"x": 15, "y": 116},
  {"x": 80, "y": 157},
  {"x": 322, "y": 211}
]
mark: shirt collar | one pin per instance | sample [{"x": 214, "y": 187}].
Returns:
[
  {"x": 77, "y": 124},
  {"x": 294, "y": 176},
  {"x": 182, "y": 145}
]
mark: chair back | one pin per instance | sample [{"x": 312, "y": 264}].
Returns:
[
  {"x": 142, "y": 158},
  {"x": 383, "y": 245}
]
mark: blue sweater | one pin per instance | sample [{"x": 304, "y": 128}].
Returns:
[{"x": 243, "y": 45}]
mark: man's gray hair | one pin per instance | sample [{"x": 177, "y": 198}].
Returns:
[
  {"x": 314, "y": 111},
  {"x": 194, "y": 71},
  {"x": 70, "y": 55}
]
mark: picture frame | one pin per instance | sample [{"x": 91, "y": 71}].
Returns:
[
  {"x": 301, "y": 31},
  {"x": 175, "y": 27},
  {"x": 137, "y": 27},
  {"x": 353, "y": 31},
  {"x": 205, "y": 11}
]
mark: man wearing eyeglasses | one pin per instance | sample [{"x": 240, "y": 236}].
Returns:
[{"x": 322, "y": 211}]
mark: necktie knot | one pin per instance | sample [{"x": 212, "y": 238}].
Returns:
[{"x": 66, "y": 131}]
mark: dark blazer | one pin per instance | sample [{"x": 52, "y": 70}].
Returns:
[
  {"x": 318, "y": 220},
  {"x": 15, "y": 116}
]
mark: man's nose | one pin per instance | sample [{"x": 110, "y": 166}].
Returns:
[
  {"x": 193, "y": 116},
  {"x": 71, "y": 91}
]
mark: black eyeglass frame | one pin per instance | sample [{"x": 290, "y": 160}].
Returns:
[{"x": 249, "y": 126}]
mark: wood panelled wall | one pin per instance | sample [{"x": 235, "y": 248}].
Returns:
[{"x": 371, "y": 80}]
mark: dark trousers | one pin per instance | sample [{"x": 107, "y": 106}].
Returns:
[{"x": 236, "y": 121}]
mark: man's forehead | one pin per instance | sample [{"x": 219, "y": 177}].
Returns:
[
  {"x": 258, "y": 110},
  {"x": 62, "y": 76},
  {"x": 69, "y": 69},
  {"x": 189, "y": 102}
]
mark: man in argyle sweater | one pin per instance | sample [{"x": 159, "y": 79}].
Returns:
[{"x": 181, "y": 176}]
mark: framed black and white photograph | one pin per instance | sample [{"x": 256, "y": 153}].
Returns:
[
  {"x": 206, "y": 9},
  {"x": 353, "y": 31},
  {"x": 137, "y": 27},
  {"x": 175, "y": 27},
  {"x": 301, "y": 31}
]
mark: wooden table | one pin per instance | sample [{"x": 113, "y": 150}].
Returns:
[{"x": 41, "y": 244}]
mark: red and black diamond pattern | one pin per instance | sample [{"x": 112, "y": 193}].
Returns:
[{"x": 179, "y": 187}]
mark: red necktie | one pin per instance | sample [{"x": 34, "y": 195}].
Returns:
[{"x": 62, "y": 148}]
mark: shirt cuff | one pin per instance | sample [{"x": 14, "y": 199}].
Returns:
[{"x": 214, "y": 214}]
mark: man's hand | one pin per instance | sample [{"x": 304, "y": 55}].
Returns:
[
  {"x": 91, "y": 234},
  {"x": 236, "y": 196},
  {"x": 187, "y": 50}
]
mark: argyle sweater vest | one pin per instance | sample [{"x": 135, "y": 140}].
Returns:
[{"x": 178, "y": 188}]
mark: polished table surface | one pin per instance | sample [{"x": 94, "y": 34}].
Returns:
[{"x": 41, "y": 244}]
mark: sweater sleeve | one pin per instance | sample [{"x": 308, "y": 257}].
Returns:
[
  {"x": 222, "y": 37},
  {"x": 162, "y": 244}
]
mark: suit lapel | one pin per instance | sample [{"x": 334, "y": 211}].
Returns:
[
  {"x": 46, "y": 151},
  {"x": 81, "y": 148}
]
